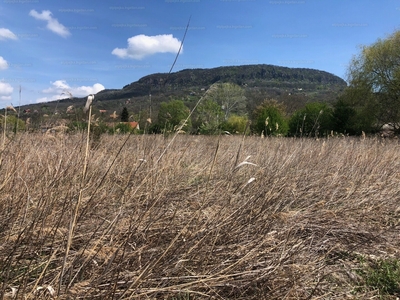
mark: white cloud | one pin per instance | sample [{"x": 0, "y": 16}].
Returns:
[
  {"x": 61, "y": 86},
  {"x": 87, "y": 90},
  {"x": 140, "y": 46},
  {"x": 5, "y": 91},
  {"x": 3, "y": 63},
  {"x": 57, "y": 86},
  {"x": 7, "y": 34},
  {"x": 52, "y": 23},
  {"x": 5, "y": 88}
]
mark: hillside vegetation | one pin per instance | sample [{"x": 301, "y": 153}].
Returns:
[
  {"x": 247, "y": 75},
  {"x": 199, "y": 217}
]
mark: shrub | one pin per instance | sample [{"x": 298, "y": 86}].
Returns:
[
  {"x": 13, "y": 124},
  {"x": 77, "y": 126},
  {"x": 121, "y": 128}
]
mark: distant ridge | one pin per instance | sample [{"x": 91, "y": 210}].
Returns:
[{"x": 260, "y": 75}]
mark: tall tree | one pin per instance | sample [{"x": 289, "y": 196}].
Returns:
[
  {"x": 344, "y": 118},
  {"x": 172, "y": 116},
  {"x": 374, "y": 81},
  {"x": 315, "y": 119},
  {"x": 269, "y": 118},
  {"x": 236, "y": 124},
  {"x": 124, "y": 115},
  {"x": 208, "y": 117},
  {"x": 229, "y": 96}
]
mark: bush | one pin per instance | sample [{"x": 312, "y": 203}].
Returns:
[
  {"x": 13, "y": 124},
  {"x": 77, "y": 126},
  {"x": 121, "y": 128}
]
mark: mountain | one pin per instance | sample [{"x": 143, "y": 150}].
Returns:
[
  {"x": 293, "y": 86},
  {"x": 248, "y": 75}
]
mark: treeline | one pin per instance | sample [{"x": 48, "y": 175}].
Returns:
[
  {"x": 224, "y": 108},
  {"x": 316, "y": 119}
]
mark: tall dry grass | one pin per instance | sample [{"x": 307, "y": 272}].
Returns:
[{"x": 161, "y": 220}]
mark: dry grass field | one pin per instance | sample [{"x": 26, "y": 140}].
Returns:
[{"x": 199, "y": 218}]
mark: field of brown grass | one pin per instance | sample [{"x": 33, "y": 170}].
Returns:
[{"x": 199, "y": 218}]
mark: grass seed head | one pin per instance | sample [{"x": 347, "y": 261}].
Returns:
[
  {"x": 89, "y": 101},
  {"x": 10, "y": 107},
  {"x": 245, "y": 162}
]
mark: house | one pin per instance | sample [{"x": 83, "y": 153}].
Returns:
[{"x": 134, "y": 125}]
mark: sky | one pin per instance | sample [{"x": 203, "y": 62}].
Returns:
[{"x": 51, "y": 48}]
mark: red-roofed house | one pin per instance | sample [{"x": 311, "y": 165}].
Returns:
[{"x": 134, "y": 125}]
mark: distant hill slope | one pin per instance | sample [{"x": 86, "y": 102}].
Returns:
[{"x": 260, "y": 82}]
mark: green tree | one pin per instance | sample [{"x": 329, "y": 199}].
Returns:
[
  {"x": 172, "y": 116},
  {"x": 229, "y": 96},
  {"x": 365, "y": 107},
  {"x": 344, "y": 118},
  {"x": 207, "y": 117},
  {"x": 124, "y": 115},
  {"x": 269, "y": 119},
  {"x": 315, "y": 119},
  {"x": 374, "y": 81},
  {"x": 236, "y": 124}
]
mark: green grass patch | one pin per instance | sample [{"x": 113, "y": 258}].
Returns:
[{"x": 383, "y": 275}]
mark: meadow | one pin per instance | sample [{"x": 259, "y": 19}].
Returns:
[{"x": 199, "y": 217}]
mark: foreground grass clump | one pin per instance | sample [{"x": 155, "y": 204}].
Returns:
[
  {"x": 197, "y": 218},
  {"x": 383, "y": 275}
]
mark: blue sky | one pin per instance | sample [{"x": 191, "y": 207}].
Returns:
[{"x": 49, "y": 47}]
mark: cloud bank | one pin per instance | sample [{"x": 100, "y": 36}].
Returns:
[
  {"x": 52, "y": 23},
  {"x": 140, "y": 46}
]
